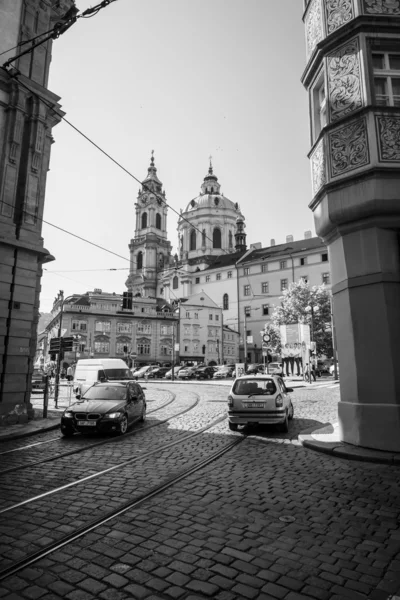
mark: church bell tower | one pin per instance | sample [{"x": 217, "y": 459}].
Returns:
[{"x": 150, "y": 249}]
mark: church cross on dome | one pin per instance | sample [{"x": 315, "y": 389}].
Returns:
[{"x": 210, "y": 169}]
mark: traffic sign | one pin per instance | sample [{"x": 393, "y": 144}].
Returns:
[{"x": 266, "y": 337}]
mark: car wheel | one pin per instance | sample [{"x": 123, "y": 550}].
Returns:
[
  {"x": 232, "y": 426},
  {"x": 123, "y": 426},
  {"x": 67, "y": 432},
  {"x": 285, "y": 425},
  {"x": 143, "y": 417}
]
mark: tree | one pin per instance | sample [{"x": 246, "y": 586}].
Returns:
[{"x": 310, "y": 305}]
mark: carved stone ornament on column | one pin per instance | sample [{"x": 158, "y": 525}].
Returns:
[
  {"x": 389, "y": 138},
  {"x": 318, "y": 176},
  {"x": 313, "y": 23},
  {"x": 344, "y": 80},
  {"x": 338, "y": 13},
  {"x": 382, "y": 7},
  {"x": 348, "y": 147}
]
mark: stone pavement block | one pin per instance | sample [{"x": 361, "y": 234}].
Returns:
[
  {"x": 268, "y": 575},
  {"x": 245, "y": 591},
  {"x": 33, "y": 593},
  {"x": 92, "y": 586},
  {"x": 182, "y": 567},
  {"x": 61, "y": 587},
  {"x": 225, "y": 571},
  {"x": 290, "y": 583},
  {"x": 179, "y": 579},
  {"x": 137, "y": 591},
  {"x": 203, "y": 587},
  {"x": 222, "y": 582},
  {"x": 158, "y": 584},
  {"x": 115, "y": 580},
  {"x": 112, "y": 594},
  {"x": 175, "y": 592},
  {"x": 250, "y": 580},
  {"x": 276, "y": 591},
  {"x": 238, "y": 554},
  {"x": 316, "y": 593},
  {"x": 244, "y": 567}
]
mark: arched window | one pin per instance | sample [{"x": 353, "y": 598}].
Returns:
[
  {"x": 175, "y": 283},
  {"x": 225, "y": 302},
  {"x": 139, "y": 260},
  {"x": 144, "y": 220},
  {"x": 230, "y": 239},
  {"x": 158, "y": 221},
  {"x": 203, "y": 238},
  {"x": 217, "y": 238},
  {"x": 192, "y": 244}
]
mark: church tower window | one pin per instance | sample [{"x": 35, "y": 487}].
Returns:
[
  {"x": 192, "y": 244},
  {"x": 144, "y": 220},
  {"x": 158, "y": 221},
  {"x": 175, "y": 283},
  {"x": 139, "y": 262},
  {"x": 230, "y": 240},
  {"x": 217, "y": 243},
  {"x": 203, "y": 238}
]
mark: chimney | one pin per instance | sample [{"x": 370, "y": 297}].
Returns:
[
  {"x": 289, "y": 239},
  {"x": 272, "y": 242},
  {"x": 307, "y": 235}
]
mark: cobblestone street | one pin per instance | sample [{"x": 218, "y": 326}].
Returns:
[{"x": 269, "y": 519}]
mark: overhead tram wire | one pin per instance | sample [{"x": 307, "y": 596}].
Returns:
[
  {"x": 65, "y": 22},
  {"x": 86, "y": 14}
]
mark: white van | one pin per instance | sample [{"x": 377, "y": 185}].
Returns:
[{"x": 91, "y": 370}]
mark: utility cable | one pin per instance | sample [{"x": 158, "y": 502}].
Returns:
[
  {"x": 69, "y": 19},
  {"x": 145, "y": 187}
]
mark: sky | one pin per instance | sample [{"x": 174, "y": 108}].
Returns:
[{"x": 188, "y": 79}]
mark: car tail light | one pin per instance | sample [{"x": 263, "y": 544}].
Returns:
[
  {"x": 279, "y": 401},
  {"x": 230, "y": 401}
]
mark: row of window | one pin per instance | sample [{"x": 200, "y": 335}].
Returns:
[
  {"x": 142, "y": 348},
  {"x": 105, "y": 327},
  {"x": 144, "y": 221},
  {"x": 247, "y": 290},
  {"x": 216, "y": 239},
  {"x": 212, "y": 348}
]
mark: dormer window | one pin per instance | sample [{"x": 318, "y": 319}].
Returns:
[{"x": 216, "y": 201}]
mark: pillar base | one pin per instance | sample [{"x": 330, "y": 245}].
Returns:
[{"x": 374, "y": 426}]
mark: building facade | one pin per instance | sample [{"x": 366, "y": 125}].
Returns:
[
  {"x": 26, "y": 124},
  {"x": 264, "y": 274},
  {"x": 203, "y": 337},
  {"x": 102, "y": 328},
  {"x": 352, "y": 77}
]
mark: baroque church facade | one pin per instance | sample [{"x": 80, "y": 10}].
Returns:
[
  {"x": 211, "y": 233},
  {"x": 213, "y": 259}
]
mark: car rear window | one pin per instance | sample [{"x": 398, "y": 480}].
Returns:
[
  {"x": 105, "y": 393},
  {"x": 245, "y": 387}
]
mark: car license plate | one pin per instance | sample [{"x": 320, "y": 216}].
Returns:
[
  {"x": 254, "y": 405},
  {"x": 89, "y": 423}
]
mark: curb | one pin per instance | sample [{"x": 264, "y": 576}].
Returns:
[
  {"x": 344, "y": 450},
  {"x": 16, "y": 436}
]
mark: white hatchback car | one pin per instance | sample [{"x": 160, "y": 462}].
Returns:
[{"x": 260, "y": 399}]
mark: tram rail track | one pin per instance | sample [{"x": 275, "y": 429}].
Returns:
[
  {"x": 109, "y": 440},
  {"x": 80, "y": 531}
]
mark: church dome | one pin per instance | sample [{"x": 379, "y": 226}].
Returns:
[
  {"x": 207, "y": 226},
  {"x": 211, "y": 201}
]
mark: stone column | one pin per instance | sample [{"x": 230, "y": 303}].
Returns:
[{"x": 355, "y": 164}]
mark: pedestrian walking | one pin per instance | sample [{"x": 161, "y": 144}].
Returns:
[{"x": 69, "y": 373}]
